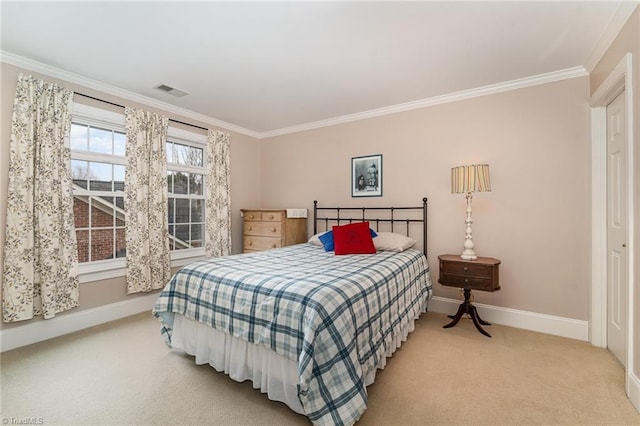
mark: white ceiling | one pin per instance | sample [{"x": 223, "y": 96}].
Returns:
[{"x": 267, "y": 67}]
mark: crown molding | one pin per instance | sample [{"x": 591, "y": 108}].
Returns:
[
  {"x": 81, "y": 80},
  {"x": 51, "y": 71},
  {"x": 437, "y": 100},
  {"x": 619, "y": 19}
]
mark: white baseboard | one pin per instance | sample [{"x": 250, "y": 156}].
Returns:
[
  {"x": 634, "y": 391},
  {"x": 558, "y": 326},
  {"x": 34, "y": 332},
  {"x": 16, "y": 337}
]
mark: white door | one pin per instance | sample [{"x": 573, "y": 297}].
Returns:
[{"x": 617, "y": 230}]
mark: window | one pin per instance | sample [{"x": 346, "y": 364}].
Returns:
[
  {"x": 97, "y": 169},
  {"x": 98, "y": 160},
  {"x": 185, "y": 188}
]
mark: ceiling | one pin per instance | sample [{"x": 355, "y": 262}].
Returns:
[{"x": 266, "y": 67}]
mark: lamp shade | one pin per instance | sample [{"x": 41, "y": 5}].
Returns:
[{"x": 474, "y": 178}]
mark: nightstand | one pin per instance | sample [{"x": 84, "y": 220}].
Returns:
[{"x": 480, "y": 274}]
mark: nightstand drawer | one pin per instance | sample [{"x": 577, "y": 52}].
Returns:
[
  {"x": 467, "y": 268},
  {"x": 269, "y": 229},
  {"x": 480, "y": 274},
  {"x": 260, "y": 243},
  {"x": 462, "y": 281}
]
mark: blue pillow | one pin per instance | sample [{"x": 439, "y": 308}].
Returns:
[{"x": 327, "y": 239}]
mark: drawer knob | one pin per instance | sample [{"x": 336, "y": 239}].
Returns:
[
  {"x": 251, "y": 216},
  {"x": 466, "y": 281},
  {"x": 250, "y": 228},
  {"x": 466, "y": 269},
  {"x": 271, "y": 217},
  {"x": 273, "y": 245},
  {"x": 273, "y": 229},
  {"x": 250, "y": 243}
]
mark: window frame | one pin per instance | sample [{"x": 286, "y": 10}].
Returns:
[
  {"x": 185, "y": 137},
  {"x": 106, "y": 119}
]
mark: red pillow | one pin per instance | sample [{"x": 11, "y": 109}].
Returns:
[{"x": 354, "y": 238}]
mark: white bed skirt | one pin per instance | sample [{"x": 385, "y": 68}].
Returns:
[{"x": 273, "y": 374}]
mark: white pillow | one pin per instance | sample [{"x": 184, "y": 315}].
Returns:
[
  {"x": 315, "y": 240},
  {"x": 390, "y": 241}
]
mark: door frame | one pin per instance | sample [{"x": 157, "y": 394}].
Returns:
[{"x": 618, "y": 80}]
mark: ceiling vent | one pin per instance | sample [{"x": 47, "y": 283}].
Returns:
[{"x": 171, "y": 90}]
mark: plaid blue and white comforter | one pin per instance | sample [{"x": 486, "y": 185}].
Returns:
[{"x": 336, "y": 316}]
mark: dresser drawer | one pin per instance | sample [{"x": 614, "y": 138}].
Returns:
[
  {"x": 272, "y": 216},
  {"x": 267, "y": 229},
  {"x": 252, "y": 243},
  {"x": 252, "y": 215},
  {"x": 462, "y": 281},
  {"x": 467, "y": 268}
]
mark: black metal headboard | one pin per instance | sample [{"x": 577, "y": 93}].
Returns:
[{"x": 385, "y": 217}]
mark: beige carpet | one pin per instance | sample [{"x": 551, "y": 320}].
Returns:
[{"x": 122, "y": 373}]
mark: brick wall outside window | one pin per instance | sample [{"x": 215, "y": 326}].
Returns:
[{"x": 102, "y": 239}]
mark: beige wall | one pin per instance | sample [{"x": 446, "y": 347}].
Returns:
[
  {"x": 628, "y": 40},
  {"x": 536, "y": 219},
  {"x": 245, "y": 173}
]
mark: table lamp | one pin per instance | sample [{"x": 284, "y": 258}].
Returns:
[{"x": 466, "y": 180}]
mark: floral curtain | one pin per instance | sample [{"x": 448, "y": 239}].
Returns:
[
  {"x": 40, "y": 268},
  {"x": 145, "y": 201},
  {"x": 218, "y": 195}
]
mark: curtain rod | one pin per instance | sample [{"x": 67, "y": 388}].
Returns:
[{"x": 122, "y": 106}]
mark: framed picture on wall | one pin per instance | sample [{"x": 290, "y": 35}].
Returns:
[{"x": 366, "y": 176}]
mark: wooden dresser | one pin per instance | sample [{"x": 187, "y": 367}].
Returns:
[{"x": 264, "y": 229}]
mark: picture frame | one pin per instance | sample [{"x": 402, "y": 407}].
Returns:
[{"x": 366, "y": 176}]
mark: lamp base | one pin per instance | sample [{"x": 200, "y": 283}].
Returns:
[
  {"x": 468, "y": 253},
  {"x": 468, "y": 256}
]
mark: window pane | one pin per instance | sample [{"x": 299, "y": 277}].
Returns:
[
  {"x": 100, "y": 141},
  {"x": 100, "y": 176},
  {"x": 169, "y": 149},
  {"x": 181, "y": 154},
  {"x": 119, "y": 143},
  {"x": 101, "y": 212},
  {"x": 182, "y": 237},
  {"x": 80, "y": 173},
  {"x": 80, "y": 213},
  {"x": 118, "y": 177},
  {"x": 182, "y": 210},
  {"x": 102, "y": 244},
  {"x": 170, "y": 182},
  {"x": 82, "y": 238},
  {"x": 180, "y": 183},
  {"x": 195, "y": 184},
  {"x": 78, "y": 138},
  {"x": 197, "y": 206},
  {"x": 170, "y": 209},
  {"x": 195, "y": 157},
  {"x": 121, "y": 249},
  {"x": 119, "y": 209},
  {"x": 171, "y": 230},
  {"x": 196, "y": 235}
]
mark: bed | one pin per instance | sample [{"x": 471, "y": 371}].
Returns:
[{"x": 308, "y": 327}]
